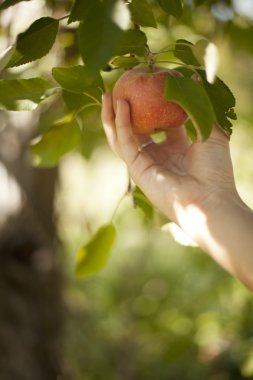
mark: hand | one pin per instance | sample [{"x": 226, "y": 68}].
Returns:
[
  {"x": 174, "y": 174},
  {"x": 193, "y": 184}
]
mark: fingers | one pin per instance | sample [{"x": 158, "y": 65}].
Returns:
[
  {"x": 108, "y": 120},
  {"x": 126, "y": 139}
]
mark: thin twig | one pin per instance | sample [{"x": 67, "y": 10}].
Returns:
[{"x": 63, "y": 18}]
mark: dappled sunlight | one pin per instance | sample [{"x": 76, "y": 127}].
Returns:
[
  {"x": 121, "y": 15},
  {"x": 11, "y": 196},
  {"x": 244, "y": 8},
  {"x": 208, "y": 234},
  {"x": 89, "y": 192},
  {"x": 178, "y": 234}
]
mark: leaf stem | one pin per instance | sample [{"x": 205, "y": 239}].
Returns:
[
  {"x": 63, "y": 18},
  {"x": 126, "y": 192},
  {"x": 84, "y": 107},
  {"x": 93, "y": 98}
]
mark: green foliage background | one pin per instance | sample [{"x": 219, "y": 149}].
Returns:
[{"x": 157, "y": 310}]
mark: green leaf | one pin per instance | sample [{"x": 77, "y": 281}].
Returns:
[
  {"x": 183, "y": 51},
  {"x": 142, "y": 13},
  {"x": 143, "y": 203},
  {"x": 186, "y": 71},
  {"x": 99, "y": 37},
  {"x": 33, "y": 91},
  {"x": 172, "y": 7},
  {"x": 58, "y": 140},
  {"x": 92, "y": 135},
  {"x": 192, "y": 97},
  {"x": 77, "y": 79},
  {"x": 133, "y": 41},
  {"x": 199, "y": 50},
  {"x": 190, "y": 130},
  {"x": 82, "y": 9},
  {"x": 8, "y": 3},
  {"x": 93, "y": 256},
  {"x": 222, "y": 99},
  {"x": 125, "y": 62},
  {"x": 76, "y": 101},
  {"x": 35, "y": 42}
]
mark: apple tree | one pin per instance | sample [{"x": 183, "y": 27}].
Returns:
[{"x": 58, "y": 66}]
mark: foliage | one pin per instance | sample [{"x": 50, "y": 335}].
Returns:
[
  {"x": 151, "y": 313},
  {"x": 111, "y": 35},
  {"x": 93, "y": 256}
]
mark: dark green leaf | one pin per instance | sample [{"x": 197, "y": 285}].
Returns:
[
  {"x": 23, "y": 94},
  {"x": 35, "y": 42},
  {"x": 172, "y": 7},
  {"x": 77, "y": 79},
  {"x": 76, "y": 101},
  {"x": 133, "y": 41},
  {"x": 183, "y": 51},
  {"x": 222, "y": 99},
  {"x": 125, "y": 62},
  {"x": 142, "y": 202},
  {"x": 186, "y": 71},
  {"x": 82, "y": 9},
  {"x": 142, "y": 13},
  {"x": 92, "y": 135},
  {"x": 192, "y": 97},
  {"x": 8, "y": 3},
  {"x": 199, "y": 50},
  {"x": 93, "y": 256},
  {"x": 99, "y": 37},
  {"x": 58, "y": 140}
]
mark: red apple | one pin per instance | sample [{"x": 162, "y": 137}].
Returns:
[{"x": 143, "y": 88}]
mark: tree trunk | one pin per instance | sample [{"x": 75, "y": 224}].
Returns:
[{"x": 30, "y": 279}]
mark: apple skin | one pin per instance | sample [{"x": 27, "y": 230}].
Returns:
[{"x": 144, "y": 88}]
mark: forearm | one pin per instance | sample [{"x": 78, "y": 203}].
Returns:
[{"x": 226, "y": 234}]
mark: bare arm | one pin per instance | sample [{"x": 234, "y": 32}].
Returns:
[{"x": 193, "y": 184}]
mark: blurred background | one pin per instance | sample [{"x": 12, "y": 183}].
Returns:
[{"x": 159, "y": 309}]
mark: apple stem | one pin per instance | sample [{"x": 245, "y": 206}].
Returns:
[{"x": 150, "y": 57}]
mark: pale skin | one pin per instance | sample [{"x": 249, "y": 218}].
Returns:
[{"x": 192, "y": 184}]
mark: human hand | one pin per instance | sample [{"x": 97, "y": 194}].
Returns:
[
  {"x": 191, "y": 183},
  {"x": 173, "y": 174}
]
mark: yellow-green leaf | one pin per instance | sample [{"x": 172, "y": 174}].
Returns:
[
  {"x": 125, "y": 62},
  {"x": 57, "y": 141},
  {"x": 93, "y": 256},
  {"x": 23, "y": 94}
]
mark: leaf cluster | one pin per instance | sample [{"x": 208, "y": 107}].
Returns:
[{"x": 111, "y": 35}]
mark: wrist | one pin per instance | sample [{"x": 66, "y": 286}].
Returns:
[
  {"x": 226, "y": 235},
  {"x": 197, "y": 217}
]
